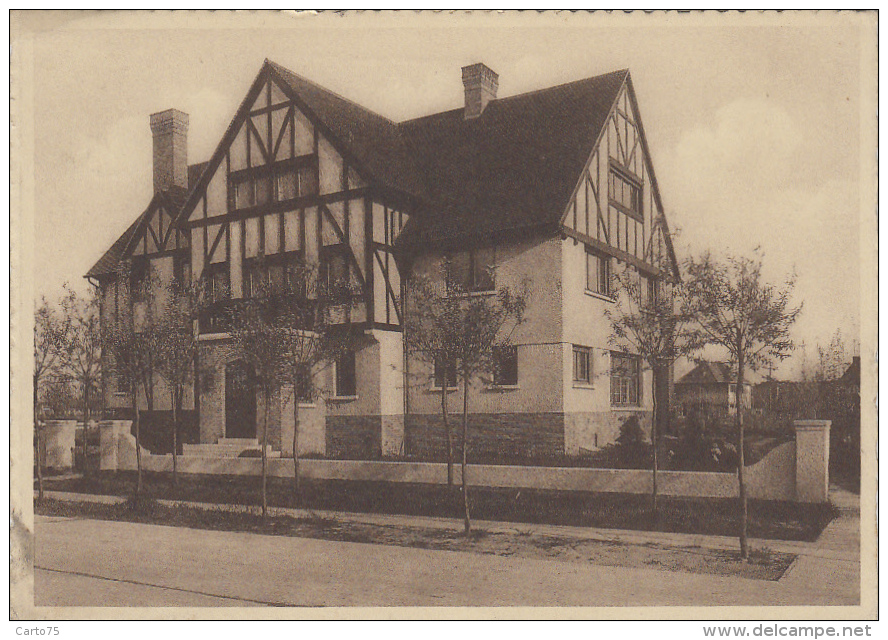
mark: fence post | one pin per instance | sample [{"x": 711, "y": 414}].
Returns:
[
  {"x": 58, "y": 443},
  {"x": 110, "y": 432},
  {"x": 812, "y": 460}
]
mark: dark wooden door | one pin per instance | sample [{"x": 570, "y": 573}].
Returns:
[{"x": 240, "y": 400}]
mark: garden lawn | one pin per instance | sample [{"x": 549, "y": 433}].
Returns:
[{"x": 706, "y": 516}]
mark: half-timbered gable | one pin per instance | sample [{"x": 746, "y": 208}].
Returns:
[
  {"x": 616, "y": 208},
  {"x": 286, "y": 185}
]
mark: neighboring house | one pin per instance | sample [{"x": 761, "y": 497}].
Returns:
[
  {"x": 555, "y": 187},
  {"x": 712, "y": 388}
]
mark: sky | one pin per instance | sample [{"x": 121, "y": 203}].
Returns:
[{"x": 754, "y": 126}]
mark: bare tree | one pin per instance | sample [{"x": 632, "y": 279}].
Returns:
[
  {"x": 134, "y": 343},
  {"x": 651, "y": 318},
  {"x": 289, "y": 329},
  {"x": 51, "y": 334},
  {"x": 432, "y": 326},
  {"x": 751, "y": 319},
  {"x": 178, "y": 347},
  {"x": 467, "y": 328},
  {"x": 306, "y": 311},
  {"x": 81, "y": 359}
]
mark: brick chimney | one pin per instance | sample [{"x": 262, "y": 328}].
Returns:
[
  {"x": 170, "y": 130},
  {"x": 481, "y": 84}
]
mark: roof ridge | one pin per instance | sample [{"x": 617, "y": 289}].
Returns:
[
  {"x": 520, "y": 95},
  {"x": 328, "y": 91}
]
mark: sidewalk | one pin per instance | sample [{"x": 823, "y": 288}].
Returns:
[{"x": 839, "y": 542}]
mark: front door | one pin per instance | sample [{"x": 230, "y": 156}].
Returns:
[{"x": 240, "y": 400}]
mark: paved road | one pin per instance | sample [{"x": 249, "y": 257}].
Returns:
[{"x": 98, "y": 563}]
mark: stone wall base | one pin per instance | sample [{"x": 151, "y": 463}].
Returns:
[
  {"x": 354, "y": 437},
  {"x": 512, "y": 436}
]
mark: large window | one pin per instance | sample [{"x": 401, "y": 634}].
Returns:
[
  {"x": 278, "y": 184},
  {"x": 505, "y": 366},
  {"x": 625, "y": 192},
  {"x": 276, "y": 275},
  {"x": 582, "y": 364},
  {"x": 346, "y": 382},
  {"x": 598, "y": 273},
  {"x": 625, "y": 380},
  {"x": 442, "y": 370}
]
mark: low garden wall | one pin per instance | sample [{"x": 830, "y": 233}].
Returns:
[{"x": 774, "y": 477}]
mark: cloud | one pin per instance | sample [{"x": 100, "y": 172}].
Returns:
[{"x": 736, "y": 184}]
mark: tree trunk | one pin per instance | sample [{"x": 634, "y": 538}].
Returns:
[
  {"x": 296, "y": 444},
  {"x": 744, "y": 543},
  {"x": 655, "y": 442},
  {"x": 447, "y": 434},
  {"x": 38, "y": 433},
  {"x": 137, "y": 425},
  {"x": 267, "y": 397},
  {"x": 465, "y": 446},
  {"x": 175, "y": 402}
]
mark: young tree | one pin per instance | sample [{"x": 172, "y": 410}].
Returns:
[
  {"x": 466, "y": 328},
  {"x": 178, "y": 348},
  {"x": 134, "y": 344},
  {"x": 81, "y": 358},
  {"x": 51, "y": 334},
  {"x": 287, "y": 331},
  {"x": 432, "y": 336},
  {"x": 751, "y": 319},
  {"x": 305, "y": 310},
  {"x": 651, "y": 318}
]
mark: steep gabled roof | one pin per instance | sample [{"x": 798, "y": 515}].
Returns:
[
  {"x": 374, "y": 141},
  {"x": 513, "y": 167},
  {"x": 171, "y": 200},
  {"x": 707, "y": 373}
]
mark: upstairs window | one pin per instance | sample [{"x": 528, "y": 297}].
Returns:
[
  {"x": 442, "y": 370},
  {"x": 650, "y": 291},
  {"x": 277, "y": 184},
  {"x": 625, "y": 192},
  {"x": 598, "y": 273},
  {"x": 625, "y": 380},
  {"x": 505, "y": 366},
  {"x": 346, "y": 382},
  {"x": 475, "y": 269}
]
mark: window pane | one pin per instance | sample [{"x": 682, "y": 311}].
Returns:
[
  {"x": 591, "y": 272},
  {"x": 345, "y": 375},
  {"x": 439, "y": 374},
  {"x": 506, "y": 366},
  {"x": 482, "y": 267},
  {"x": 286, "y": 186},
  {"x": 308, "y": 184},
  {"x": 263, "y": 190}
]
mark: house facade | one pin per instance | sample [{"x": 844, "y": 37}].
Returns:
[
  {"x": 554, "y": 189},
  {"x": 711, "y": 387}
]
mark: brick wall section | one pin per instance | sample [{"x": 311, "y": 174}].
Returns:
[
  {"x": 354, "y": 437},
  {"x": 513, "y": 435}
]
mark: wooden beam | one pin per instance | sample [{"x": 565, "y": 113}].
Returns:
[{"x": 619, "y": 254}]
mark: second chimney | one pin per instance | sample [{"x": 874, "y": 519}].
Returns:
[
  {"x": 170, "y": 130},
  {"x": 481, "y": 84}
]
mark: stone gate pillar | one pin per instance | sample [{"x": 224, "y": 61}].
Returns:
[
  {"x": 58, "y": 443},
  {"x": 812, "y": 460}
]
